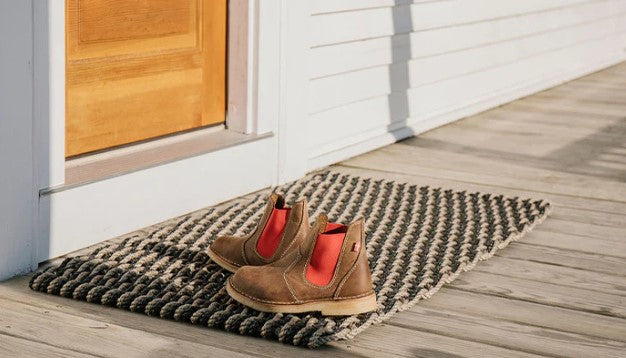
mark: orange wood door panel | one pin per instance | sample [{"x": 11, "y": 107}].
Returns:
[{"x": 139, "y": 69}]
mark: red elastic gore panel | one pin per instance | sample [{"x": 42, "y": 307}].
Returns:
[
  {"x": 325, "y": 254},
  {"x": 273, "y": 232}
]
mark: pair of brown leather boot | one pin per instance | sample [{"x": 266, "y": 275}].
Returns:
[{"x": 286, "y": 266}]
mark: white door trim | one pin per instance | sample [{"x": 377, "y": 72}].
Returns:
[
  {"x": 49, "y": 92},
  {"x": 241, "y": 89}
]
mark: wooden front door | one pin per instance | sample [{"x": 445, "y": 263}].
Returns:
[{"x": 139, "y": 69}]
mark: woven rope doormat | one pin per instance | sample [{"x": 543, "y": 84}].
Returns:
[{"x": 418, "y": 238}]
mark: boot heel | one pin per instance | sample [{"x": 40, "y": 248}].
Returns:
[{"x": 350, "y": 307}]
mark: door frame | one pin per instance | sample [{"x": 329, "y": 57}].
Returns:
[{"x": 267, "y": 89}]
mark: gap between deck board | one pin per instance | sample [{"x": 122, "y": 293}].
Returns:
[
  {"x": 529, "y": 313},
  {"x": 580, "y": 260},
  {"x": 13, "y": 346},
  {"x": 542, "y": 293},
  {"x": 556, "y": 275},
  {"x": 508, "y": 335},
  {"x": 93, "y": 336}
]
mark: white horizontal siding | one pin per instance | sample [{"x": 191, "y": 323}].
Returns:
[
  {"x": 344, "y": 57},
  {"x": 347, "y": 26},
  {"x": 333, "y": 91},
  {"x": 377, "y": 68}
]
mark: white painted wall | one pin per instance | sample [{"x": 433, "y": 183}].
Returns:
[
  {"x": 381, "y": 70},
  {"x": 17, "y": 187}
]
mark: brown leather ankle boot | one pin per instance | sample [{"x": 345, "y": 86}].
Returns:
[
  {"x": 329, "y": 273},
  {"x": 280, "y": 230}
]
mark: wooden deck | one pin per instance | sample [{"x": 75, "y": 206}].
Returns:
[{"x": 560, "y": 292}]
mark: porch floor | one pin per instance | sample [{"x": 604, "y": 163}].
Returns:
[{"x": 561, "y": 291}]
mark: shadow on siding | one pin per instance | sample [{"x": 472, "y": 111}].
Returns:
[{"x": 399, "y": 73}]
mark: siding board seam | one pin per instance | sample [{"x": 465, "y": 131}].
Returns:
[
  {"x": 486, "y": 44},
  {"x": 458, "y": 24},
  {"x": 574, "y": 44},
  {"x": 397, "y": 3}
]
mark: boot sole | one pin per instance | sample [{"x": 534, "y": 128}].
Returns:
[
  {"x": 346, "y": 307},
  {"x": 221, "y": 262}
]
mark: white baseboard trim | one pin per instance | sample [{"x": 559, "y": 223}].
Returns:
[
  {"x": 84, "y": 215},
  {"x": 394, "y": 132}
]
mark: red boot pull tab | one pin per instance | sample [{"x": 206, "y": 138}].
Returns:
[
  {"x": 273, "y": 232},
  {"x": 325, "y": 254}
]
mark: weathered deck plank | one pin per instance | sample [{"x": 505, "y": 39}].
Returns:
[
  {"x": 568, "y": 105},
  {"x": 528, "y": 313},
  {"x": 564, "y": 276},
  {"x": 543, "y": 292},
  {"x": 18, "y": 347},
  {"x": 389, "y": 340},
  {"x": 95, "y": 336},
  {"x": 583, "y": 261},
  {"x": 507, "y": 334}
]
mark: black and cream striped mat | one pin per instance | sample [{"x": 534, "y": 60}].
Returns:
[{"x": 418, "y": 238}]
